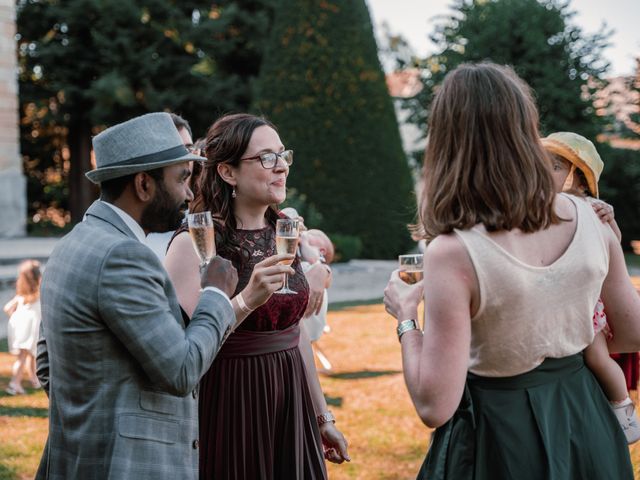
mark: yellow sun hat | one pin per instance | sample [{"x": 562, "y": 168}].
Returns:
[{"x": 580, "y": 152}]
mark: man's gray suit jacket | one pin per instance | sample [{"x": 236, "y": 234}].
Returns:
[{"x": 119, "y": 366}]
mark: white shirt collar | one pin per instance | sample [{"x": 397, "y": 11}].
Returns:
[{"x": 129, "y": 222}]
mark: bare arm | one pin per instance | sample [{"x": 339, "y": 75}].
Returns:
[
  {"x": 616, "y": 230},
  {"x": 621, "y": 301},
  {"x": 319, "y": 402},
  {"x": 318, "y": 277},
  {"x": 11, "y": 306},
  {"x": 182, "y": 265},
  {"x": 435, "y": 364},
  {"x": 334, "y": 442},
  {"x": 606, "y": 215}
]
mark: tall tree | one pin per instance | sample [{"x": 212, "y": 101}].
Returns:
[
  {"x": 322, "y": 84},
  {"x": 562, "y": 64},
  {"x": 632, "y": 125},
  {"x": 88, "y": 63}
]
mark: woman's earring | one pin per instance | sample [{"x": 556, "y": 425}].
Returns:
[{"x": 233, "y": 193}]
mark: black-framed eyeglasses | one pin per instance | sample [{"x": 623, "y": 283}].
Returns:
[{"x": 270, "y": 160}]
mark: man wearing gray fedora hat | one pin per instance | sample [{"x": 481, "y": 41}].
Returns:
[{"x": 119, "y": 364}]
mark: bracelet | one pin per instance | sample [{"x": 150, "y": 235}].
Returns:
[
  {"x": 325, "y": 417},
  {"x": 242, "y": 304},
  {"x": 407, "y": 325}
]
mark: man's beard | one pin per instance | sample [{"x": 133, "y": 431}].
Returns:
[{"x": 162, "y": 214}]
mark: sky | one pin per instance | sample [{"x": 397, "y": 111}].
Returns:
[{"x": 414, "y": 20}]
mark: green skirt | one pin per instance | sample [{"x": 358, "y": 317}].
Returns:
[{"x": 552, "y": 423}]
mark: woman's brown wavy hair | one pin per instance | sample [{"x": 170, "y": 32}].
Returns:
[
  {"x": 484, "y": 162},
  {"x": 226, "y": 142}
]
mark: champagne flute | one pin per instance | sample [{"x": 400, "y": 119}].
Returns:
[
  {"x": 410, "y": 270},
  {"x": 201, "y": 232},
  {"x": 287, "y": 236}
]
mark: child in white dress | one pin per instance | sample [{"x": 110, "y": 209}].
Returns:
[
  {"x": 24, "y": 325},
  {"x": 576, "y": 169}
]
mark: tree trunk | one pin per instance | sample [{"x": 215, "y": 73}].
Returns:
[{"x": 81, "y": 190}]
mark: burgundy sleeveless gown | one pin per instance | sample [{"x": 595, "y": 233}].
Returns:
[{"x": 255, "y": 410}]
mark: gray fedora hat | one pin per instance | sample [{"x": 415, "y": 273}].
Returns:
[{"x": 142, "y": 143}]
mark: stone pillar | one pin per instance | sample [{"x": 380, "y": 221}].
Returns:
[{"x": 13, "y": 193}]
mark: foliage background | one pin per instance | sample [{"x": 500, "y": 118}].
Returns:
[{"x": 323, "y": 86}]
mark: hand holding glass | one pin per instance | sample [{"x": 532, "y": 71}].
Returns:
[
  {"x": 287, "y": 236},
  {"x": 410, "y": 270},
  {"x": 201, "y": 231}
]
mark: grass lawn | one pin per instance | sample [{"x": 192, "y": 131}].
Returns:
[{"x": 366, "y": 394}]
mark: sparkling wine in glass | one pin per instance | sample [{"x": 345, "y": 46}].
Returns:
[
  {"x": 201, "y": 232},
  {"x": 287, "y": 236},
  {"x": 410, "y": 270}
]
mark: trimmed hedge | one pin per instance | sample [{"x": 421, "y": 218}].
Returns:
[{"x": 321, "y": 83}]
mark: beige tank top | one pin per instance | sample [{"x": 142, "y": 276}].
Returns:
[{"x": 530, "y": 313}]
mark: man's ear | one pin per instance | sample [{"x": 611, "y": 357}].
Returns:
[
  {"x": 227, "y": 173},
  {"x": 144, "y": 187}
]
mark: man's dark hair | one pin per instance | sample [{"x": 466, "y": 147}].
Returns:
[
  {"x": 180, "y": 122},
  {"x": 111, "y": 190}
]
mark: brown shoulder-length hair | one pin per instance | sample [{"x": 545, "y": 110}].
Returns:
[
  {"x": 28, "y": 282},
  {"x": 484, "y": 162},
  {"x": 226, "y": 142}
]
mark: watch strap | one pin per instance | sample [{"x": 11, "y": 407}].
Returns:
[{"x": 407, "y": 325}]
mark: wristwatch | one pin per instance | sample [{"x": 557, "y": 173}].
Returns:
[{"x": 406, "y": 325}]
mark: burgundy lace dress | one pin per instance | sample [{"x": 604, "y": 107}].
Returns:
[{"x": 256, "y": 414}]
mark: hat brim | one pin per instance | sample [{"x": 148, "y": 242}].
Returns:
[
  {"x": 103, "y": 174},
  {"x": 568, "y": 154}
]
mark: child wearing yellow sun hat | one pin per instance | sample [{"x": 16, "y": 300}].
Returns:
[{"x": 576, "y": 169}]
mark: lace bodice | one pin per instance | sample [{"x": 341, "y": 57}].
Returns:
[{"x": 280, "y": 311}]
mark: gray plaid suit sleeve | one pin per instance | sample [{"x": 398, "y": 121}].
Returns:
[
  {"x": 42, "y": 361},
  {"x": 133, "y": 303}
]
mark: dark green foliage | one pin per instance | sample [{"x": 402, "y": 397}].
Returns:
[
  {"x": 347, "y": 247},
  {"x": 322, "y": 85},
  {"x": 86, "y": 64},
  {"x": 631, "y": 128},
  {"x": 537, "y": 38},
  {"x": 307, "y": 210},
  {"x": 620, "y": 186}
]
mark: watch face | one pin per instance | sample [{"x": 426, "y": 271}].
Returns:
[{"x": 405, "y": 326}]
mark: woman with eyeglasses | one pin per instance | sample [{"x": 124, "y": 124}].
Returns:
[{"x": 262, "y": 411}]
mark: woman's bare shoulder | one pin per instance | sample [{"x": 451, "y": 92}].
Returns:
[
  {"x": 448, "y": 251},
  {"x": 180, "y": 241}
]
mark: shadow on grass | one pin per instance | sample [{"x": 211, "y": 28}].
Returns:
[
  {"x": 334, "y": 307},
  {"x": 364, "y": 374},
  {"x": 333, "y": 401},
  {"x": 19, "y": 410},
  {"x": 7, "y": 473},
  {"x": 36, "y": 412},
  {"x": 4, "y": 347}
]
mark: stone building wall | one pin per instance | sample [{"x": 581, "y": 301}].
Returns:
[{"x": 13, "y": 195}]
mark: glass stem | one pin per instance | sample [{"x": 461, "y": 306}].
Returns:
[{"x": 286, "y": 282}]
